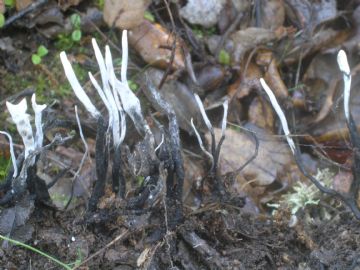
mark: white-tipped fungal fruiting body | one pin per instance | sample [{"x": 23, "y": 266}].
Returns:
[
  {"x": 280, "y": 114},
  {"x": 116, "y": 94},
  {"x": 22, "y": 122},
  {"x": 345, "y": 69}
]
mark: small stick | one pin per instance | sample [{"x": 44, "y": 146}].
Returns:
[{"x": 23, "y": 12}]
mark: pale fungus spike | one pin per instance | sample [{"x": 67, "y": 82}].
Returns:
[
  {"x": 280, "y": 114},
  {"x": 78, "y": 90},
  {"x": 203, "y": 113},
  {"x": 223, "y": 123},
  {"x": 39, "y": 136},
  {"x": 345, "y": 69},
  {"x": 125, "y": 55},
  {"x": 201, "y": 143}
]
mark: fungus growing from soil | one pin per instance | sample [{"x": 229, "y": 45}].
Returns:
[
  {"x": 351, "y": 198},
  {"x": 23, "y": 175}
]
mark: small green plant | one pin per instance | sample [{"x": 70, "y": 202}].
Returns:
[
  {"x": 37, "y": 57},
  {"x": 100, "y": 4},
  {"x": 76, "y": 23},
  {"x": 133, "y": 85},
  {"x": 5, "y": 164},
  {"x": 2, "y": 20},
  {"x": 149, "y": 16},
  {"x": 66, "y": 41},
  {"x": 224, "y": 57},
  {"x": 9, "y": 3}
]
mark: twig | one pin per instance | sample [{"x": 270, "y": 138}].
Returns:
[
  {"x": 173, "y": 48},
  {"x": 228, "y": 31},
  {"x": 118, "y": 238},
  {"x": 23, "y": 12},
  {"x": 86, "y": 154}
]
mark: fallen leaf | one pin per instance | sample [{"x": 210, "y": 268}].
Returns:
[
  {"x": 65, "y": 4},
  {"x": 272, "y": 75},
  {"x": 245, "y": 40},
  {"x": 125, "y": 14},
  {"x": 272, "y": 160},
  {"x": 272, "y": 14},
  {"x": 308, "y": 15},
  {"x": 21, "y": 4},
  {"x": 261, "y": 113},
  {"x": 154, "y": 43}
]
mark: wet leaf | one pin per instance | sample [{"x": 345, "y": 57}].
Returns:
[{"x": 124, "y": 14}]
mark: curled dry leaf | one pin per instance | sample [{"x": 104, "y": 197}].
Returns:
[
  {"x": 273, "y": 160},
  {"x": 125, "y": 14},
  {"x": 248, "y": 80},
  {"x": 154, "y": 43},
  {"x": 247, "y": 39},
  {"x": 272, "y": 75}
]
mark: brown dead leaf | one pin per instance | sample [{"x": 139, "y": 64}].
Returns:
[
  {"x": 154, "y": 43},
  {"x": 248, "y": 80},
  {"x": 21, "y": 4},
  {"x": 2, "y": 6},
  {"x": 272, "y": 14},
  {"x": 245, "y": 40},
  {"x": 272, "y": 75},
  {"x": 261, "y": 114},
  {"x": 125, "y": 14},
  {"x": 309, "y": 14},
  {"x": 65, "y": 4},
  {"x": 272, "y": 160}
]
